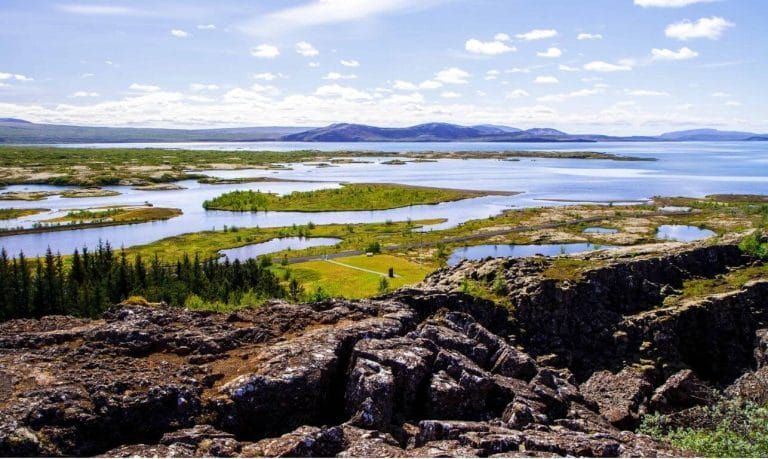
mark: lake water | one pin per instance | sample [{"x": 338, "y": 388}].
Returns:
[
  {"x": 683, "y": 169},
  {"x": 682, "y": 233},
  {"x": 276, "y": 245},
  {"x": 598, "y": 230},
  {"x": 478, "y": 252}
]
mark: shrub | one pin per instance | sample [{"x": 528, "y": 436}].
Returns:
[
  {"x": 136, "y": 300},
  {"x": 755, "y": 245},
  {"x": 728, "y": 429},
  {"x": 373, "y": 247}
]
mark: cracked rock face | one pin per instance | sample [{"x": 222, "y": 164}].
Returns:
[{"x": 417, "y": 373}]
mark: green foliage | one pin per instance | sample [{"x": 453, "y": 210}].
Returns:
[
  {"x": 499, "y": 286},
  {"x": 295, "y": 290},
  {"x": 727, "y": 429},
  {"x": 441, "y": 254},
  {"x": 95, "y": 280},
  {"x": 373, "y": 247},
  {"x": 383, "y": 285},
  {"x": 348, "y": 197},
  {"x": 755, "y": 245},
  {"x": 318, "y": 296}
]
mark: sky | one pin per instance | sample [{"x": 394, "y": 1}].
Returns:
[{"x": 588, "y": 66}]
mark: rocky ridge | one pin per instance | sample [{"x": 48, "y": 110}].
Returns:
[{"x": 421, "y": 372}]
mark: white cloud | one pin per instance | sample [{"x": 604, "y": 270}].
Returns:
[
  {"x": 537, "y": 34},
  {"x": 320, "y": 12},
  {"x": 143, "y": 87},
  {"x": 87, "y": 75},
  {"x": 265, "y": 51},
  {"x": 502, "y": 37},
  {"x": 515, "y": 94},
  {"x": 339, "y": 76},
  {"x": 14, "y": 76},
  {"x": 491, "y": 75},
  {"x": 404, "y": 85},
  {"x": 452, "y": 75},
  {"x": 100, "y": 10},
  {"x": 568, "y": 68},
  {"x": 551, "y": 53},
  {"x": 349, "y": 63},
  {"x": 489, "y": 48},
  {"x": 517, "y": 70},
  {"x": 546, "y": 80},
  {"x": 600, "y": 66},
  {"x": 343, "y": 92},
  {"x": 178, "y": 33},
  {"x": 733, "y": 103},
  {"x": 206, "y": 27},
  {"x": 711, "y": 28},
  {"x": 306, "y": 49},
  {"x": 85, "y": 94},
  {"x": 720, "y": 94},
  {"x": 314, "y": 64},
  {"x": 450, "y": 95},
  {"x": 203, "y": 87},
  {"x": 671, "y": 55},
  {"x": 589, "y": 36},
  {"x": 646, "y": 93},
  {"x": 266, "y": 76},
  {"x": 430, "y": 84},
  {"x": 570, "y": 95},
  {"x": 668, "y": 3}
]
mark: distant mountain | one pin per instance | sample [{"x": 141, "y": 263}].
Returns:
[
  {"x": 495, "y": 128},
  {"x": 431, "y": 132},
  {"x": 706, "y": 135},
  {"x": 13, "y": 121},
  {"x": 18, "y": 131},
  {"x": 545, "y": 131}
]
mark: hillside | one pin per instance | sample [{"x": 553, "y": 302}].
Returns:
[{"x": 424, "y": 372}]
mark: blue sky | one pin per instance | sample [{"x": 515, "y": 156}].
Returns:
[{"x": 591, "y": 66}]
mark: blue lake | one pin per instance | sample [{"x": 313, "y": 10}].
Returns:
[
  {"x": 682, "y": 233},
  {"x": 275, "y": 245},
  {"x": 478, "y": 252},
  {"x": 682, "y": 169}
]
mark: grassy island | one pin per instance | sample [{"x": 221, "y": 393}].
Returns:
[
  {"x": 94, "y": 218},
  {"x": 10, "y": 214},
  {"x": 146, "y": 166},
  {"x": 358, "y": 196}
]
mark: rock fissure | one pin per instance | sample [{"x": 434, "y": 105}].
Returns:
[{"x": 426, "y": 371}]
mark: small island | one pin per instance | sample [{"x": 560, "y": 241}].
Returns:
[
  {"x": 358, "y": 196},
  {"x": 11, "y": 213},
  {"x": 92, "y": 218}
]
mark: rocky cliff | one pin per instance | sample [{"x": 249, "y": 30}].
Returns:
[{"x": 567, "y": 370}]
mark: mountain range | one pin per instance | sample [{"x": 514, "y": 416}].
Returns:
[{"x": 17, "y": 131}]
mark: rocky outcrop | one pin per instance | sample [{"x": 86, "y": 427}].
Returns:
[{"x": 424, "y": 372}]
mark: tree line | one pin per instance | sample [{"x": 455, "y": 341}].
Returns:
[{"x": 92, "y": 281}]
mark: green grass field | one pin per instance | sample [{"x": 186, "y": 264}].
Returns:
[{"x": 347, "y": 282}]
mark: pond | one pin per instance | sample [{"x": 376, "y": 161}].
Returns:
[
  {"x": 598, "y": 230},
  {"x": 478, "y": 252},
  {"x": 276, "y": 245},
  {"x": 682, "y": 233}
]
